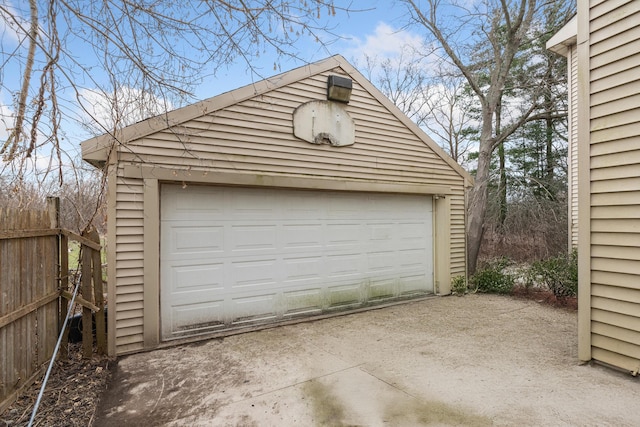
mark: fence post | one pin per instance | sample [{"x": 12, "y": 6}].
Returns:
[
  {"x": 87, "y": 318},
  {"x": 101, "y": 335},
  {"x": 53, "y": 206},
  {"x": 64, "y": 285}
]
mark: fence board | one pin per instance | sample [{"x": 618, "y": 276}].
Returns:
[
  {"x": 86, "y": 291},
  {"x": 21, "y": 234},
  {"x": 64, "y": 287},
  {"x": 34, "y": 271},
  {"x": 23, "y": 311},
  {"x": 28, "y": 296}
]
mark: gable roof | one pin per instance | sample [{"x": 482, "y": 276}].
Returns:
[{"x": 96, "y": 150}]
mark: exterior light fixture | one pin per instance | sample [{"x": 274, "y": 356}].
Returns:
[{"x": 339, "y": 89}]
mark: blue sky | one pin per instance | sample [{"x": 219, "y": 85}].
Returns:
[{"x": 375, "y": 32}]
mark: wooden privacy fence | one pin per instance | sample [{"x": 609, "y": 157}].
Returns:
[{"x": 34, "y": 288}]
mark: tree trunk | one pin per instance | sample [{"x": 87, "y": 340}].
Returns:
[
  {"x": 550, "y": 158},
  {"x": 502, "y": 186},
  {"x": 478, "y": 206},
  {"x": 506, "y": 26}
]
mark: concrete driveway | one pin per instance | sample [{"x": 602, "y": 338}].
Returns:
[{"x": 478, "y": 360}]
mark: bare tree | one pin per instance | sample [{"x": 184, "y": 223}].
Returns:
[
  {"x": 402, "y": 79},
  {"x": 66, "y": 60},
  {"x": 81, "y": 195},
  {"x": 503, "y": 28},
  {"x": 448, "y": 116},
  {"x": 163, "y": 49},
  {"x": 432, "y": 96}
]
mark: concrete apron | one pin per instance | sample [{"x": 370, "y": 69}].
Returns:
[{"x": 478, "y": 360}]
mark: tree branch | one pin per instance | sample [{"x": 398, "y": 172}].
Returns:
[
  {"x": 15, "y": 134},
  {"x": 432, "y": 27}
]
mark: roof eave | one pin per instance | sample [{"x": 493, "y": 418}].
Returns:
[
  {"x": 566, "y": 37},
  {"x": 95, "y": 151}
]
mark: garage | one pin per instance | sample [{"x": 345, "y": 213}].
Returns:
[
  {"x": 234, "y": 256},
  {"x": 308, "y": 193}
]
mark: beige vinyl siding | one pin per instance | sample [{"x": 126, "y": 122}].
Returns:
[
  {"x": 458, "y": 239},
  {"x": 614, "y": 114},
  {"x": 129, "y": 259},
  {"x": 255, "y": 137},
  {"x": 572, "y": 60}
]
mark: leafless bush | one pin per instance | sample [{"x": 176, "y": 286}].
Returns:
[
  {"x": 82, "y": 198},
  {"x": 534, "y": 229}
]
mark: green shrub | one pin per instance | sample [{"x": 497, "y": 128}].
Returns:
[
  {"x": 559, "y": 274},
  {"x": 459, "y": 285},
  {"x": 528, "y": 279},
  {"x": 493, "y": 278}
]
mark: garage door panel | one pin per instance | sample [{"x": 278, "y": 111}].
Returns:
[
  {"x": 305, "y": 205},
  {"x": 253, "y": 237},
  {"x": 245, "y": 255},
  {"x": 251, "y": 204},
  {"x": 384, "y": 213},
  {"x": 409, "y": 284},
  {"x": 196, "y": 203},
  {"x": 412, "y": 246},
  {"x": 343, "y": 206},
  {"x": 255, "y": 273},
  {"x": 382, "y": 262},
  {"x": 298, "y": 236},
  {"x": 252, "y": 308},
  {"x": 207, "y": 276},
  {"x": 412, "y": 258},
  {"x": 377, "y": 246},
  {"x": 381, "y": 231},
  {"x": 303, "y": 268},
  {"x": 300, "y": 284},
  {"x": 195, "y": 318},
  {"x": 348, "y": 294},
  {"x": 343, "y": 234},
  {"x": 344, "y": 265},
  {"x": 197, "y": 239},
  {"x": 381, "y": 289},
  {"x": 308, "y": 301},
  {"x": 412, "y": 231},
  {"x": 181, "y": 239}
]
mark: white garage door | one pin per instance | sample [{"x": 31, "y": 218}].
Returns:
[{"x": 234, "y": 256}]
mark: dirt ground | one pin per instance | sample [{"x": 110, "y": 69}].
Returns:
[
  {"x": 71, "y": 395},
  {"x": 475, "y": 360}
]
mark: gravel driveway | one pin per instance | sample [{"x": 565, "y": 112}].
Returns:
[{"x": 477, "y": 360}]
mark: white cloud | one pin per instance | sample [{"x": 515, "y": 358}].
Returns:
[
  {"x": 11, "y": 22},
  {"x": 385, "y": 42},
  {"x": 6, "y": 121},
  {"x": 124, "y": 107}
]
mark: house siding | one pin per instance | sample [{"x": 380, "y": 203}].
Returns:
[
  {"x": 129, "y": 272},
  {"x": 255, "y": 137},
  {"x": 572, "y": 62},
  {"x": 614, "y": 205}
]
